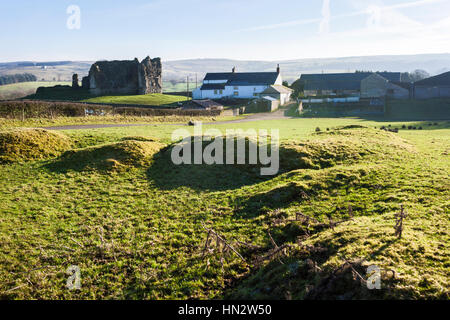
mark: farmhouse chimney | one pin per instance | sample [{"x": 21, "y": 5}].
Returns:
[
  {"x": 233, "y": 70},
  {"x": 278, "y": 69}
]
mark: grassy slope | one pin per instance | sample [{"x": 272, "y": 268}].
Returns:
[
  {"x": 19, "y": 90},
  {"x": 155, "y": 99},
  {"x": 115, "y": 119},
  {"x": 137, "y": 234}
]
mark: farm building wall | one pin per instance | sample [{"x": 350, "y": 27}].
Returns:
[
  {"x": 396, "y": 92},
  {"x": 284, "y": 98},
  {"x": 374, "y": 86},
  {"x": 244, "y": 92},
  {"x": 430, "y": 92},
  {"x": 262, "y": 105},
  {"x": 429, "y": 109}
]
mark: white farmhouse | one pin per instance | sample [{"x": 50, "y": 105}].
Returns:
[{"x": 240, "y": 85}]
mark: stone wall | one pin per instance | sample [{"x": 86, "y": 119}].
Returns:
[{"x": 125, "y": 77}]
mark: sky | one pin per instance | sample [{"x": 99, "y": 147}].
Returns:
[{"x": 88, "y": 30}]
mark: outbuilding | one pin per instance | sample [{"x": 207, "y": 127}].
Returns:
[
  {"x": 279, "y": 92},
  {"x": 434, "y": 87}
]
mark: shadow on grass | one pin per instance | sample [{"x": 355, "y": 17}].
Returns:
[
  {"x": 278, "y": 198},
  {"x": 168, "y": 176},
  {"x": 298, "y": 276}
]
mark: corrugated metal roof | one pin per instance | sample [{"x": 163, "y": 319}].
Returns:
[
  {"x": 439, "y": 80},
  {"x": 342, "y": 81},
  {"x": 269, "y": 98}
]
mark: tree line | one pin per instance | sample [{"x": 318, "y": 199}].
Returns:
[{"x": 16, "y": 78}]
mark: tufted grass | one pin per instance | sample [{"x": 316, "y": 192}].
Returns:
[
  {"x": 31, "y": 144},
  {"x": 137, "y": 233}
]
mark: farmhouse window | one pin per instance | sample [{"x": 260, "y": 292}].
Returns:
[
  {"x": 215, "y": 91},
  {"x": 236, "y": 88},
  {"x": 236, "y": 93}
]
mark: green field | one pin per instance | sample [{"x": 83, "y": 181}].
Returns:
[
  {"x": 69, "y": 94},
  {"x": 135, "y": 228},
  {"x": 20, "y": 90},
  {"x": 177, "y": 87},
  {"x": 154, "y": 99}
]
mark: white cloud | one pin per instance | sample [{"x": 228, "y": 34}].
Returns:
[
  {"x": 324, "y": 26},
  {"x": 374, "y": 12}
]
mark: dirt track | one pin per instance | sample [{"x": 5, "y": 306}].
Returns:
[{"x": 279, "y": 114}]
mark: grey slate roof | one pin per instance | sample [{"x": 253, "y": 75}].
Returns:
[
  {"x": 244, "y": 78},
  {"x": 213, "y": 86},
  {"x": 439, "y": 80},
  {"x": 218, "y": 76},
  {"x": 342, "y": 81},
  {"x": 277, "y": 89}
]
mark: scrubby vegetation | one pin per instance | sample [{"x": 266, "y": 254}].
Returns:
[
  {"x": 153, "y": 230},
  {"x": 15, "y": 78},
  {"x": 45, "y": 113},
  {"x": 109, "y": 119},
  {"x": 31, "y": 144},
  {"x": 60, "y": 93}
]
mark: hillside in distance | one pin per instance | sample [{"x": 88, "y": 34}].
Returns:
[{"x": 291, "y": 69}]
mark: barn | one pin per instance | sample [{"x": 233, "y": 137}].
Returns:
[
  {"x": 340, "y": 83},
  {"x": 433, "y": 87},
  {"x": 376, "y": 86},
  {"x": 278, "y": 92}
]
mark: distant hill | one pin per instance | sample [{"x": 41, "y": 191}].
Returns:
[
  {"x": 291, "y": 69},
  {"x": 47, "y": 71}
]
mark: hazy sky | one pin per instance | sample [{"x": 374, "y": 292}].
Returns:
[{"x": 234, "y": 29}]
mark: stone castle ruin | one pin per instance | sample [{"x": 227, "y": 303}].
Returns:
[{"x": 124, "y": 77}]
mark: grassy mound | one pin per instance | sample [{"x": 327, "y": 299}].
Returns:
[
  {"x": 115, "y": 157},
  {"x": 31, "y": 144},
  {"x": 346, "y": 144},
  {"x": 154, "y": 99}
]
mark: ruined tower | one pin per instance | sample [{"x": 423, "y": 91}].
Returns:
[{"x": 125, "y": 77}]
